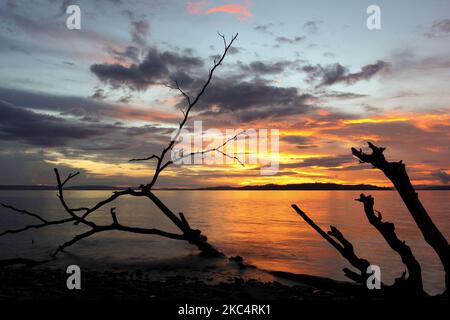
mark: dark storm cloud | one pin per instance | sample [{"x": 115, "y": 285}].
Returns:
[
  {"x": 286, "y": 40},
  {"x": 265, "y": 68},
  {"x": 296, "y": 139},
  {"x": 125, "y": 99},
  {"x": 29, "y": 168},
  {"x": 157, "y": 68},
  {"x": 357, "y": 167},
  {"x": 326, "y": 162},
  {"x": 443, "y": 176},
  {"x": 143, "y": 130},
  {"x": 264, "y": 28},
  {"x": 99, "y": 94},
  {"x": 439, "y": 29},
  {"x": 337, "y": 73},
  {"x": 300, "y": 142},
  {"x": 129, "y": 53},
  {"x": 19, "y": 124},
  {"x": 68, "y": 105},
  {"x": 311, "y": 26},
  {"x": 306, "y": 146},
  {"x": 252, "y": 100},
  {"x": 342, "y": 95},
  {"x": 279, "y": 39},
  {"x": 332, "y": 74},
  {"x": 113, "y": 143},
  {"x": 367, "y": 72},
  {"x": 246, "y": 99}
]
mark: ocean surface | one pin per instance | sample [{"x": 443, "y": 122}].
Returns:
[{"x": 261, "y": 226}]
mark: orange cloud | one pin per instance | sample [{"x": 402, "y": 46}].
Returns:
[
  {"x": 238, "y": 9},
  {"x": 206, "y": 8}
]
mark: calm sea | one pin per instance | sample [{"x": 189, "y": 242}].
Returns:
[{"x": 258, "y": 225}]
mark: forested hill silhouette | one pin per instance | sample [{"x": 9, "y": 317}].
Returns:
[
  {"x": 297, "y": 186},
  {"x": 302, "y": 186}
]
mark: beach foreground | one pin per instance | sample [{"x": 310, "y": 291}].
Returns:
[
  {"x": 135, "y": 285},
  {"x": 186, "y": 279},
  {"x": 192, "y": 278},
  {"x": 194, "y": 287}
]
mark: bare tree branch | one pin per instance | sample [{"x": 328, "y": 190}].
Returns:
[
  {"x": 387, "y": 230},
  {"x": 81, "y": 214},
  {"x": 31, "y": 214},
  {"x": 45, "y": 222},
  {"x": 37, "y": 226},
  {"x": 185, "y": 95},
  {"x": 63, "y": 202},
  {"x": 396, "y": 172},
  {"x": 76, "y": 239},
  {"x": 114, "y": 196},
  {"x": 342, "y": 245},
  {"x": 154, "y": 156},
  {"x": 161, "y": 165},
  {"x": 70, "y": 176}
]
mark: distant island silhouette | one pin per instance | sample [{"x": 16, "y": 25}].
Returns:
[{"x": 297, "y": 186}]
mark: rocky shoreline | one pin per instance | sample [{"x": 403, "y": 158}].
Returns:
[
  {"x": 190, "y": 278},
  {"x": 31, "y": 284}
]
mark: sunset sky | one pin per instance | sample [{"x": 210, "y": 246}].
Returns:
[{"x": 89, "y": 100}]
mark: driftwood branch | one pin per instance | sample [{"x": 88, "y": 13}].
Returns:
[
  {"x": 396, "y": 173},
  {"x": 342, "y": 245},
  {"x": 387, "y": 230},
  {"x": 94, "y": 229},
  {"x": 25, "y": 212},
  {"x": 36, "y": 226},
  {"x": 118, "y": 227},
  {"x": 81, "y": 215},
  {"x": 44, "y": 222},
  {"x": 185, "y": 95}
]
